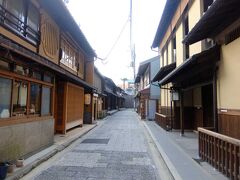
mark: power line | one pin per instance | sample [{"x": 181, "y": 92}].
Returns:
[{"x": 114, "y": 44}]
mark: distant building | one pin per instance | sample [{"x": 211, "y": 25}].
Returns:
[
  {"x": 147, "y": 93},
  {"x": 99, "y": 97}
]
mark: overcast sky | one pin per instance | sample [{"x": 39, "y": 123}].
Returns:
[{"x": 102, "y": 20}]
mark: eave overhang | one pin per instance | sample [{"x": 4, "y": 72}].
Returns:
[
  {"x": 164, "y": 71},
  {"x": 137, "y": 79},
  {"x": 60, "y": 13},
  {"x": 142, "y": 68},
  {"x": 218, "y": 17},
  {"x": 167, "y": 15},
  {"x": 193, "y": 66}
]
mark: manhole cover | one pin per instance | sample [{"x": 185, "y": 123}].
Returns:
[{"x": 96, "y": 141}]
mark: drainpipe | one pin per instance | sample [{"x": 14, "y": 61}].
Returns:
[{"x": 215, "y": 111}]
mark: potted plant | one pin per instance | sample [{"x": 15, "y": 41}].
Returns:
[
  {"x": 3, "y": 170},
  {"x": 11, "y": 167},
  {"x": 19, "y": 162}
]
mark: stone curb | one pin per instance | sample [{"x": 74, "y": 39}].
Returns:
[
  {"x": 169, "y": 164},
  {"x": 26, "y": 169}
]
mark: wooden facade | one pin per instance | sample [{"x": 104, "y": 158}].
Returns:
[
  {"x": 69, "y": 106},
  {"x": 46, "y": 66},
  {"x": 99, "y": 96},
  {"x": 114, "y": 96}
]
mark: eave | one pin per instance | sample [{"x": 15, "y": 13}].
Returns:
[{"x": 219, "y": 16}]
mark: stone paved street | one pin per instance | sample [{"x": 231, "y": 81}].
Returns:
[{"x": 117, "y": 149}]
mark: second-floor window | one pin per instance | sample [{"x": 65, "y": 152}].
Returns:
[
  {"x": 22, "y": 17},
  {"x": 174, "y": 55},
  {"x": 162, "y": 55},
  {"x": 69, "y": 55},
  {"x": 146, "y": 78},
  {"x": 33, "y": 22},
  {"x": 186, "y": 31}
]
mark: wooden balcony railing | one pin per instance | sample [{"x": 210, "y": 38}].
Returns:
[
  {"x": 221, "y": 151},
  {"x": 163, "y": 121},
  {"x": 12, "y": 22}
]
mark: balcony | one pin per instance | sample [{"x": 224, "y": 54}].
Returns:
[{"x": 19, "y": 27}]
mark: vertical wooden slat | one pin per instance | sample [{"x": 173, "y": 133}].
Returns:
[
  {"x": 215, "y": 153},
  {"x": 231, "y": 169},
  {"x": 222, "y": 156},
  {"x": 222, "y": 153}
]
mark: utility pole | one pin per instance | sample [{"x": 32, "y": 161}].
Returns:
[{"x": 132, "y": 46}]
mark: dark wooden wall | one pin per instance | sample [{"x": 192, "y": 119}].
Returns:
[{"x": 229, "y": 124}]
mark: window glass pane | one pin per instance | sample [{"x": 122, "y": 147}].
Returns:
[
  {"x": 19, "y": 98},
  {"x": 35, "y": 95},
  {"x": 46, "y": 101},
  {"x": 48, "y": 78},
  {"x": 17, "y": 10},
  {"x": 33, "y": 24},
  {"x": 5, "y": 94},
  {"x": 33, "y": 17}
]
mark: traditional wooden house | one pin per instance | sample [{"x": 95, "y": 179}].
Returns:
[
  {"x": 221, "y": 25},
  {"x": 178, "y": 18},
  {"x": 148, "y": 94},
  {"x": 46, "y": 69},
  {"x": 121, "y": 98},
  {"x": 99, "y": 96},
  {"x": 110, "y": 90},
  {"x": 201, "y": 93}
]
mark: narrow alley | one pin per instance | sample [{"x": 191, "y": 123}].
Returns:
[{"x": 118, "y": 148}]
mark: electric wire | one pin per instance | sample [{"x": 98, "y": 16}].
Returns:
[{"x": 115, "y": 43}]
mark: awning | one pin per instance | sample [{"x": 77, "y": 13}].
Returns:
[
  {"x": 164, "y": 71},
  {"x": 220, "y": 15},
  {"x": 194, "y": 66},
  {"x": 109, "y": 91}
]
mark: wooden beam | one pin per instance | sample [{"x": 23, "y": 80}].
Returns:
[
  {"x": 215, "y": 113},
  {"x": 182, "y": 112}
]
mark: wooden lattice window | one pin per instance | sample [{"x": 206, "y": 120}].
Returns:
[
  {"x": 69, "y": 54},
  {"x": 50, "y": 38}
]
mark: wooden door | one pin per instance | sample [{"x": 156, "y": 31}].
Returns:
[{"x": 207, "y": 104}]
